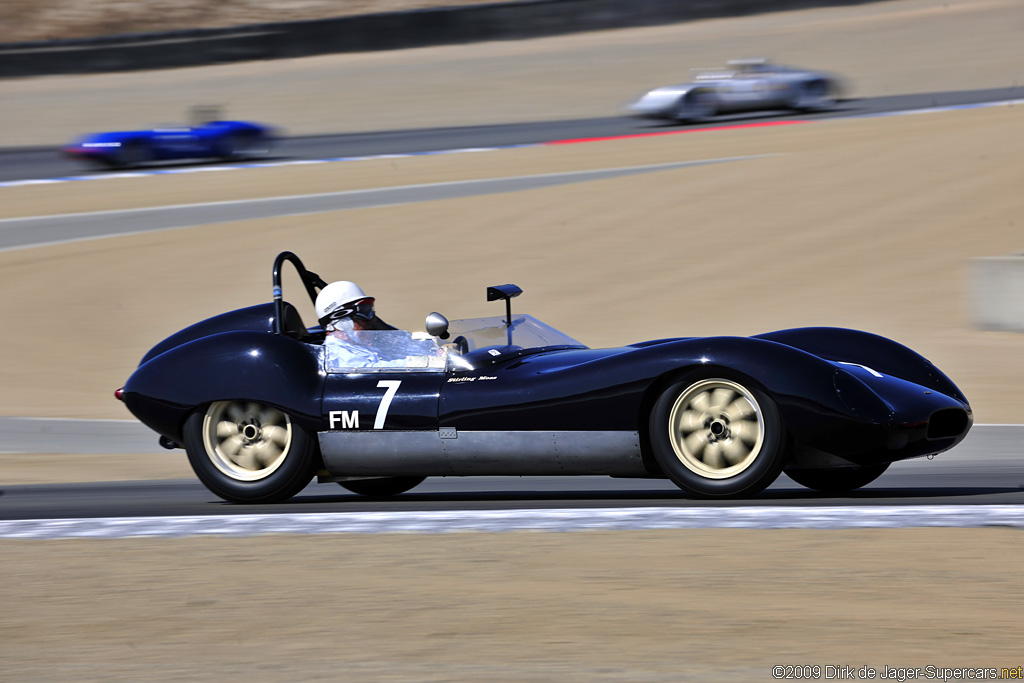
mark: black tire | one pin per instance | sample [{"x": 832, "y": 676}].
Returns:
[
  {"x": 814, "y": 95},
  {"x": 699, "y": 105},
  {"x": 249, "y": 452},
  {"x": 381, "y": 488},
  {"x": 241, "y": 146},
  {"x": 131, "y": 154},
  {"x": 716, "y": 435},
  {"x": 838, "y": 480},
  {"x": 229, "y": 149}
]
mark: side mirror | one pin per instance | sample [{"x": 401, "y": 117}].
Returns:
[
  {"x": 437, "y": 325},
  {"x": 506, "y": 292}
]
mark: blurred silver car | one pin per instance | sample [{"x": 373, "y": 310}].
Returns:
[{"x": 745, "y": 85}]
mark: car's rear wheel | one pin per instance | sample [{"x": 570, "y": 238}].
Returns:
[
  {"x": 244, "y": 146},
  {"x": 838, "y": 480},
  {"x": 716, "y": 436},
  {"x": 249, "y": 452},
  {"x": 131, "y": 154},
  {"x": 814, "y": 95},
  {"x": 383, "y": 487}
]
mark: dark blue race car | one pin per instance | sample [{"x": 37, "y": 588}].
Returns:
[
  {"x": 261, "y": 404},
  {"x": 223, "y": 140}
]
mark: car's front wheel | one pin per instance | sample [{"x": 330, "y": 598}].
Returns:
[
  {"x": 696, "y": 106},
  {"x": 249, "y": 452},
  {"x": 383, "y": 487},
  {"x": 717, "y": 437},
  {"x": 839, "y": 479}
]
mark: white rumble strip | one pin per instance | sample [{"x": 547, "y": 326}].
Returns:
[{"x": 581, "y": 519}]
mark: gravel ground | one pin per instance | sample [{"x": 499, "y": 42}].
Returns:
[{"x": 665, "y": 606}]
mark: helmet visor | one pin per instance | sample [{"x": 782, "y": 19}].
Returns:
[{"x": 362, "y": 309}]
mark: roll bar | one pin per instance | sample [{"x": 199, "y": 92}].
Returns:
[{"x": 310, "y": 280}]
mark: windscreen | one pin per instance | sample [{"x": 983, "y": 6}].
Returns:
[
  {"x": 400, "y": 351},
  {"x": 526, "y": 332},
  {"x": 382, "y": 351}
]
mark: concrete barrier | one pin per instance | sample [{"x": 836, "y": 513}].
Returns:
[
  {"x": 363, "y": 33},
  {"x": 997, "y": 293}
]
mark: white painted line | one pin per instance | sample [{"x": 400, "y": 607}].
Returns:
[{"x": 555, "y": 520}]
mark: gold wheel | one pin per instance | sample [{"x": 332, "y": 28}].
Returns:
[
  {"x": 245, "y": 440},
  {"x": 716, "y": 428}
]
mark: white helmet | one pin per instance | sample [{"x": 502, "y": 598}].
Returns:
[{"x": 341, "y": 299}]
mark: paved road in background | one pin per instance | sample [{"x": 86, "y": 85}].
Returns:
[
  {"x": 17, "y": 233},
  {"x": 41, "y": 164}
]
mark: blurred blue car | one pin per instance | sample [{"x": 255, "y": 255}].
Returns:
[{"x": 221, "y": 140}]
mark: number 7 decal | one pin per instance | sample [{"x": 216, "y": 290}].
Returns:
[{"x": 385, "y": 403}]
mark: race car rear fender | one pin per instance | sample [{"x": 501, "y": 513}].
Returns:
[
  {"x": 238, "y": 365},
  {"x": 259, "y": 318}
]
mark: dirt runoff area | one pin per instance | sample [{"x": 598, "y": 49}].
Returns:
[
  {"x": 698, "y": 605},
  {"x": 866, "y": 223}
]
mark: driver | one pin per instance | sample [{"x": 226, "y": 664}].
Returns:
[
  {"x": 347, "y": 315},
  {"x": 344, "y": 310},
  {"x": 344, "y": 299}
]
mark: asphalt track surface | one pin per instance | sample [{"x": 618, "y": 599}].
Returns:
[
  {"x": 47, "y": 163},
  {"x": 986, "y": 470},
  {"x": 34, "y": 231}
]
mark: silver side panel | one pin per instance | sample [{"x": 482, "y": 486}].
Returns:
[{"x": 451, "y": 453}]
